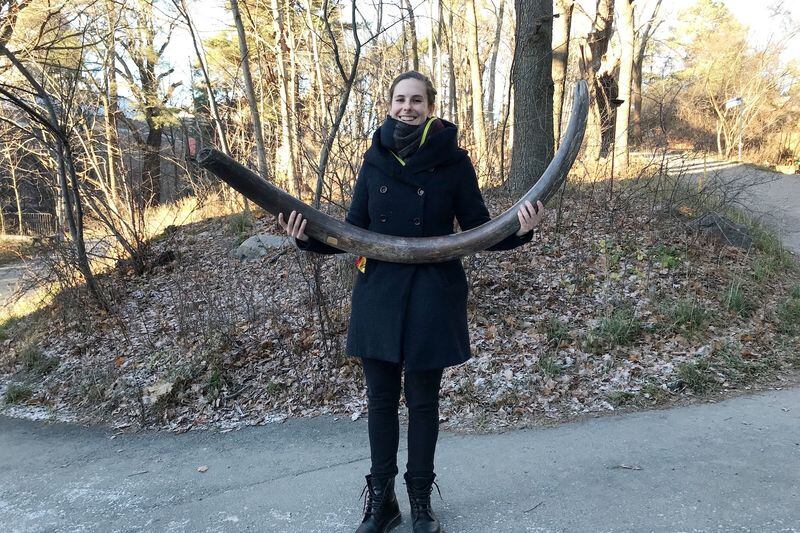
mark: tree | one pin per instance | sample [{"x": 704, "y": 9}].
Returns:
[
  {"x": 476, "y": 85},
  {"x": 263, "y": 169},
  {"x": 561, "y": 35},
  {"x": 621, "y": 127},
  {"x": 643, "y": 39},
  {"x": 597, "y": 66},
  {"x": 140, "y": 58},
  {"x": 533, "y": 94}
]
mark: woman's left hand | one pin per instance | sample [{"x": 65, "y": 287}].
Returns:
[{"x": 529, "y": 216}]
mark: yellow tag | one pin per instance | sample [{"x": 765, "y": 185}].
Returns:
[{"x": 361, "y": 263}]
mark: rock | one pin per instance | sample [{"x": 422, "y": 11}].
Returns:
[
  {"x": 259, "y": 245},
  {"x": 723, "y": 230},
  {"x": 154, "y": 392}
]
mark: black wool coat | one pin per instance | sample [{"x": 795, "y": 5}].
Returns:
[{"x": 414, "y": 313}]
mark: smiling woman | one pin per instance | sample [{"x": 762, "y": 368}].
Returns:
[{"x": 409, "y": 320}]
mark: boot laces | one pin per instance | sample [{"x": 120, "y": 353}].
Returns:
[
  {"x": 372, "y": 501},
  {"x": 421, "y": 498}
]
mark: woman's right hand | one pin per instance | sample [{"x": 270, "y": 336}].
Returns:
[{"x": 295, "y": 227}]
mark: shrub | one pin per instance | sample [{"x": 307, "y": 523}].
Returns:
[
  {"x": 737, "y": 301},
  {"x": 698, "y": 376},
  {"x": 16, "y": 393}
]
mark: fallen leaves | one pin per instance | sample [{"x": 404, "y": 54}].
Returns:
[{"x": 219, "y": 343}]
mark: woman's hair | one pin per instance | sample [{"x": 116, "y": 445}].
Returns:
[{"x": 429, "y": 89}]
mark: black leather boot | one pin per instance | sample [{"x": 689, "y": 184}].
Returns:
[
  {"x": 381, "y": 512},
  {"x": 419, "y": 495}
]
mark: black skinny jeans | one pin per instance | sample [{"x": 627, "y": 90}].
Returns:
[{"x": 422, "y": 399}]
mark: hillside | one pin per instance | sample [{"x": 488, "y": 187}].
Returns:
[{"x": 611, "y": 306}]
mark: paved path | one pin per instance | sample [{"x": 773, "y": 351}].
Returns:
[
  {"x": 771, "y": 197},
  {"x": 727, "y": 467}
]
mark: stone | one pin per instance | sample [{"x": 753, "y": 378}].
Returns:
[{"x": 260, "y": 245}]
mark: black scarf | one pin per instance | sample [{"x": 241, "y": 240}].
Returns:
[{"x": 401, "y": 138}]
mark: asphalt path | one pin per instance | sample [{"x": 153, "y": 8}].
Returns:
[{"x": 732, "y": 466}]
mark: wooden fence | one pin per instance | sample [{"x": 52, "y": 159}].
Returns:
[{"x": 33, "y": 224}]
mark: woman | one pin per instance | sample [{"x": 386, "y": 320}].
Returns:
[{"x": 414, "y": 181}]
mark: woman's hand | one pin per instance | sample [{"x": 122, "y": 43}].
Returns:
[
  {"x": 529, "y": 217},
  {"x": 295, "y": 227}
]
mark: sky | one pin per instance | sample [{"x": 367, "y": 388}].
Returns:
[{"x": 211, "y": 16}]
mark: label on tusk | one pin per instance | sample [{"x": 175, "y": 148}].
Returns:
[{"x": 332, "y": 240}]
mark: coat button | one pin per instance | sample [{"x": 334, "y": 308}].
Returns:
[
  {"x": 383, "y": 189},
  {"x": 383, "y": 218},
  {"x": 420, "y": 192},
  {"x": 417, "y": 222}
]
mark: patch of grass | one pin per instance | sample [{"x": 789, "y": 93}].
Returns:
[
  {"x": 555, "y": 330},
  {"x": 549, "y": 366},
  {"x": 620, "y": 398},
  {"x": 775, "y": 258},
  {"x": 620, "y": 328},
  {"x": 794, "y": 292},
  {"x": 687, "y": 315},
  {"x": 738, "y": 370},
  {"x": 649, "y": 395},
  {"x": 14, "y": 250},
  {"x": 764, "y": 268},
  {"x": 16, "y": 393},
  {"x": 241, "y": 225},
  {"x": 612, "y": 252},
  {"x": 667, "y": 256},
  {"x": 698, "y": 377},
  {"x": 738, "y": 301},
  {"x": 216, "y": 381},
  {"x": 273, "y": 387},
  {"x": 788, "y": 316},
  {"x": 653, "y": 393},
  {"x": 35, "y": 362}
]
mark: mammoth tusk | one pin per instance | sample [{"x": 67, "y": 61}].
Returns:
[{"x": 406, "y": 249}]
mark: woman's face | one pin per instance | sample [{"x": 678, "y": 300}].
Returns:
[{"x": 410, "y": 102}]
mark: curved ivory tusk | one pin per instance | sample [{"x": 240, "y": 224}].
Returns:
[{"x": 406, "y": 249}]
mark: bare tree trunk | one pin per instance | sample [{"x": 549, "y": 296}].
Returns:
[
  {"x": 439, "y": 68},
  {"x": 284, "y": 168},
  {"x": 621, "y": 127},
  {"x": 476, "y": 83},
  {"x": 323, "y": 109},
  {"x": 431, "y": 45},
  {"x": 263, "y": 168},
  {"x": 412, "y": 35},
  {"x": 294, "y": 139},
  {"x": 561, "y": 36},
  {"x": 493, "y": 63},
  {"x": 452, "y": 103},
  {"x": 12, "y": 170},
  {"x": 594, "y": 50},
  {"x": 638, "y": 62},
  {"x": 533, "y": 94},
  {"x": 111, "y": 101}
]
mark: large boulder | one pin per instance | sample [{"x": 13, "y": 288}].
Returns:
[{"x": 260, "y": 245}]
